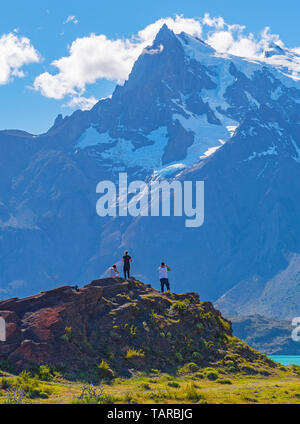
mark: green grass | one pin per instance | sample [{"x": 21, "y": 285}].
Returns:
[{"x": 280, "y": 387}]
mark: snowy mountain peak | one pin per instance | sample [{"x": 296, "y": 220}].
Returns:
[
  {"x": 165, "y": 36},
  {"x": 164, "y": 32},
  {"x": 273, "y": 49},
  {"x": 182, "y": 102},
  {"x": 195, "y": 43}
]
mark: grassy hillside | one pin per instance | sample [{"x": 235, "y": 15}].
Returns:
[{"x": 207, "y": 385}]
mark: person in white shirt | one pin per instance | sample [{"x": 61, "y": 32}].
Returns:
[
  {"x": 113, "y": 272},
  {"x": 164, "y": 276}
]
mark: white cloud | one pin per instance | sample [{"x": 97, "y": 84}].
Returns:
[
  {"x": 227, "y": 42},
  {"x": 232, "y": 39},
  {"x": 90, "y": 58},
  {"x": 97, "y": 57},
  {"x": 72, "y": 19},
  {"x": 178, "y": 24},
  {"x": 15, "y": 52},
  {"x": 218, "y": 23}
]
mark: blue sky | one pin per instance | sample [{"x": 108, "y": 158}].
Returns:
[{"x": 49, "y": 37}]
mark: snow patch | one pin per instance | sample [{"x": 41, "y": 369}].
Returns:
[
  {"x": 275, "y": 126},
  {"x": 210, "y": 151},
  {"x": 147, "y": 157},
  {"x": 252, "y": 100},
  {"x": 296, "y": 158},
  {"x": 276, "y": 94},
  {"x": 170, "y": 169},
  {"x": 231, "y": 129},
  {"x": 263, "y": 170},
  {"x": 91, "y": 137},
  {"x": 207, "y": 136},
  {"x": 272, "y": 150}
]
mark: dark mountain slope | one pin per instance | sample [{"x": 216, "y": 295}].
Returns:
[{"x": 269, "y": 336}]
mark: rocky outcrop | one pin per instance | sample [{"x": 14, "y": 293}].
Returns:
[{"x": 124, "y": 326}]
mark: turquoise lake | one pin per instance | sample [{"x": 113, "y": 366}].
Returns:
[{"x": 286, "y": 359}]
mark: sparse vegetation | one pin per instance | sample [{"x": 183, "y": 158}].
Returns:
[
  {"x": 20, "y": 389},
  {"x": 105, "y": 371},
  {"x": 188, "y": 368},
  {"x": 180, "y": 306},
  {"x": 45, "y": 373},
  {"x": 197, "y": 356},
  {"x": 280, "y": 387},
  {"x": 93, "y": 395},
  {"x": 132, "y": 353},
  {"x": 178, "y": 357},
  {"x": 192, "y": 393},
  {"x": 133, "y": 330},
  {"x": 212, "y": 375},
  {"x": 174, "y": 384},
  {"x": 67, "y": 336}
]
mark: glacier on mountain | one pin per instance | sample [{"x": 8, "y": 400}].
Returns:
[{"x": 147, "y": 157}]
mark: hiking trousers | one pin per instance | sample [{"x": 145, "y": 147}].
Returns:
[
  {"x": 164, "y": 282},
  {"x": 126, "y": 272}
]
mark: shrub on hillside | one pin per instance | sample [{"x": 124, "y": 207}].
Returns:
[
  {"x": 132, "y": 353},
  {"x": 192, "y": 394},
  {"x": 105, "y": 371},
  {"x": 91, "y": 394},
  {"x": 188, "y": 368}
]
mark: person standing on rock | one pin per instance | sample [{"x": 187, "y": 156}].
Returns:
[
  {"x": 127, "y": 261},
  {"x": 113, "y": 272},
  {"x": 164, "y": 276}
]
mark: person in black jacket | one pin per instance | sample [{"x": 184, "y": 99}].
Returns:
[{"x": 127, "y": 261}]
